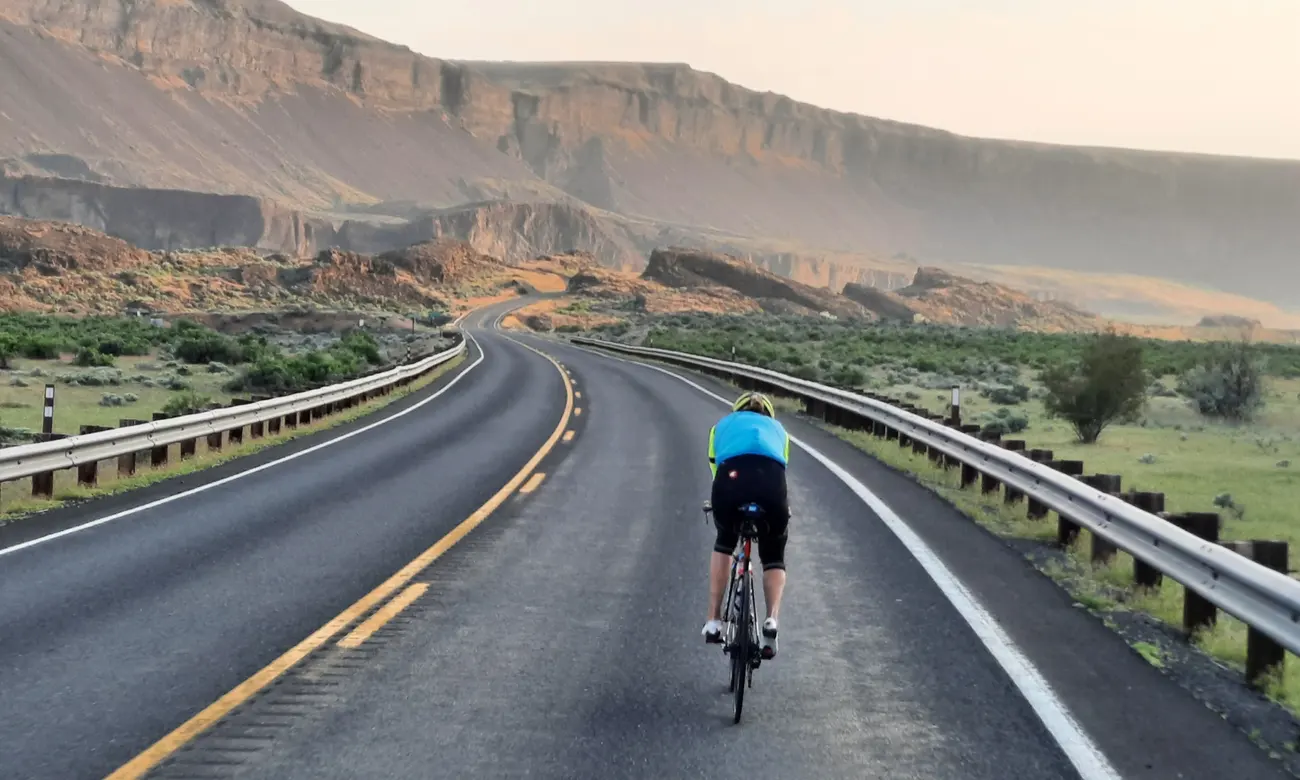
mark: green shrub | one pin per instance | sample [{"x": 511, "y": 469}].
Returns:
[
  {"x": 206, "y": 347},
  {"x": 1106, "y": 384},
  {"x": 185, "y": 402},
  {"x": 89, "y": 357},
  {"x": 1005, "y": 421},
  {"x": 38, "y": 348},
  {"x": 1008, "y": 396},
  {"x": 8, "y": 349},
  {"x": 1228, "y": 384}
]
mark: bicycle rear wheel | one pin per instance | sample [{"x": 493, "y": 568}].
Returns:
[
  {"x": 742, "y": 651},
  {"x": 729, "y": 631}
]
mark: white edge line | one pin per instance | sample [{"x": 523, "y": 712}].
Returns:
[
  {"x": 225, "y": 480},
  {"x": 1078, "y": 747}
]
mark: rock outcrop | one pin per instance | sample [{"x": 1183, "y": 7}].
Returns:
[
  {"x": 1229, "y": 321},
  {"x": 936, "y": 295},
  {"x": 56, "y": 248},
  {"x": 47, "y": 266},
  {"x": 686, "y": 268}
]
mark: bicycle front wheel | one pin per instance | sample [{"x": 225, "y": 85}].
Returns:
[{"x": 741, "y": 652}]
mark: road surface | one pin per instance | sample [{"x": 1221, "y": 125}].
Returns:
[{"x": 560, "y": 638}]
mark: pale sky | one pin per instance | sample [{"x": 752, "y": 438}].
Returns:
[{"x": 1214, "y": 76}]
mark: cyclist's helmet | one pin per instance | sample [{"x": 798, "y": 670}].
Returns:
[{"x": 754, "y": 402}]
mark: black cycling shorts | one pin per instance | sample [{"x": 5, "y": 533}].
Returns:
[{"x": 761, "y": 480}]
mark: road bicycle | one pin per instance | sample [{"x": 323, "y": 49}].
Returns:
[{"x": 739, "y": 616}]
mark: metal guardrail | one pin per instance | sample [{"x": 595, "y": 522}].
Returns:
[
  {"x": 42, "y": 458},
  {"x": 1266, "y": 600}
]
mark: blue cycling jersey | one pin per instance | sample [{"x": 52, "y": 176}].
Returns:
[{"x": 748, "y": 433}]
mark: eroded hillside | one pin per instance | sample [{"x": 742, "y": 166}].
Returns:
[{"x": 329, "y": 131}]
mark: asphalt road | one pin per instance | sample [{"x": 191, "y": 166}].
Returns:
[
  {"x": 565, "y": 641},
  {"x": 113, "y": 636},
  {"x": 561, "y": 637}
]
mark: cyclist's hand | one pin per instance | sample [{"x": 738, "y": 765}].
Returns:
[{"x": 708, "y": 506}]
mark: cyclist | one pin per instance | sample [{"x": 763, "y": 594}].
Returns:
[{"x": 748, "y": 453}]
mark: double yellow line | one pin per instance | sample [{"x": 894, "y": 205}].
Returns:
[{"x": 187, "y": 731}]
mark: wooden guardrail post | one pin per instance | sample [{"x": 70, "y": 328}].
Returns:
[
  {"x": 126, "y": 462},
  {"x": 1037, "y": 510},
  {"x": 1144, "y": 574},
  {"x": 1068, "y": 530},
  {"x": 1198, "y": 612},
  {"x": 1263, "y": 655},
  {"x": 991, "y": 484},
  {"x": 950, "y": 462},
  {"x": 88, "y": 473},
  {"x": 158, "y": 455},
  {"x": 43, "y": 483}
]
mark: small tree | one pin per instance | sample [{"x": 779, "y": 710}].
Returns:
[
  {"x": 1106, "y": 384},
  {"x": 1228, "y": 384}
]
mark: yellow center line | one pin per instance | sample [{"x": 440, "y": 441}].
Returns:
[
  {"x": 577, "y": 412},
  {"x": 568, "y": 436},
  {"x": 179, "y": 737},
  {"x": 385, "y": 613},
  {"x": 532, "y": 483},
  {"x": 577, "y": 395}
]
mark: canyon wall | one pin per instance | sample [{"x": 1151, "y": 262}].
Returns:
[{"x": 249, "y": 97}]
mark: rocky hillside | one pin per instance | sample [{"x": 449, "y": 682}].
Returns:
[
  {"x": 325, "y": 132},
  {"x": 938, "y": 296},
  {"x": 57, "y": 267}
]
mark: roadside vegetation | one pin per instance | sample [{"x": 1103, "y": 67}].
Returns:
[
  {"x": 16, "y": 499},
  {"x": 110, "y": 368},
  {"x": 1213, "y": 426}
]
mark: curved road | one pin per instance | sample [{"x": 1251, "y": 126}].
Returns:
[
  {"x": 112, "y": 636},
  {"x": 561, "y": 637}
]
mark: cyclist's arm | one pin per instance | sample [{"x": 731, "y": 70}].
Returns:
[{"x": 713, "y": 466}]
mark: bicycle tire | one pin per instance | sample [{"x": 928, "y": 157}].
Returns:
[
  {"x": 729, "y": 639},
  {"x": 740, "y": 659}
]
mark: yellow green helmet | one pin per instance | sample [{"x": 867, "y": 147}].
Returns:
[{"x": 754, "y": 402}]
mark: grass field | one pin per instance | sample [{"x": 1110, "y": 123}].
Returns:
[
  {"x": 144, "y": 378},
  {"x": 1192, "y": 460}
]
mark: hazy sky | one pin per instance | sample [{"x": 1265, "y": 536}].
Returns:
[{"x": 1217, "y": 76}]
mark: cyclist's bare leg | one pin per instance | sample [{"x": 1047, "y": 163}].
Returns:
[
  {"x": 773, "y": 587},
  {"x": 719, "y": 570}
]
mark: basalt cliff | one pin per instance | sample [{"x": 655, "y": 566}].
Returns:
[{"x": 285, "y": 132}]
